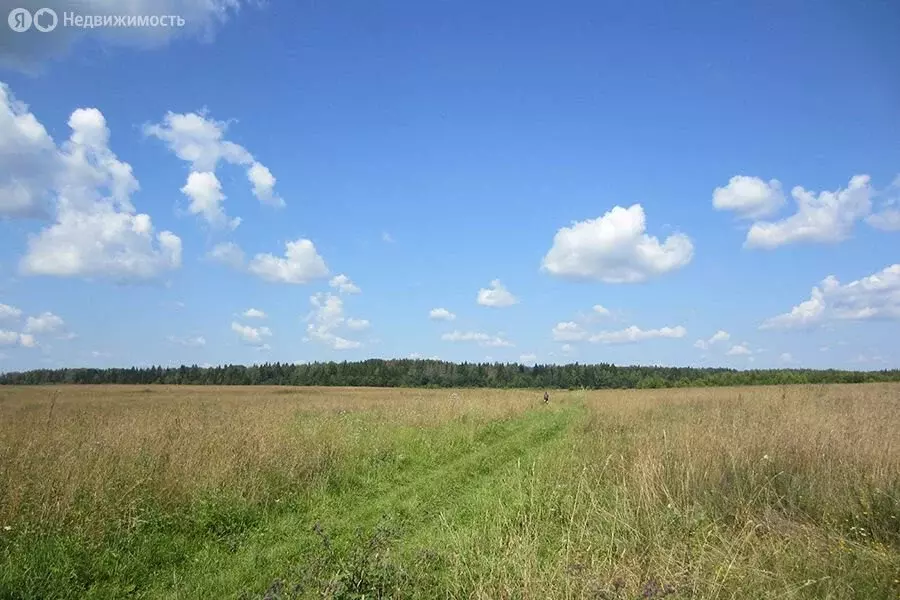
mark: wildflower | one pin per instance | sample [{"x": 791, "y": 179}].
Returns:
[{"x": 7, "y": 528}]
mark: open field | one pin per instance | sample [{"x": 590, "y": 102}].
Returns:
[{"x": 279, "y": 492}]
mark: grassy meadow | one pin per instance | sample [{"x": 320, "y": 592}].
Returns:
[{"x": 279, "y": 492}]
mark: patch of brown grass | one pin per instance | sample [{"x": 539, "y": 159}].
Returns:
[
  {"x": 80, "y": 455},
  {"x": 762, "y": 492},
  {"x": 759, "y": 492}
]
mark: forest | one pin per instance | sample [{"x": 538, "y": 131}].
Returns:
[{"x": 441, "y": 374}]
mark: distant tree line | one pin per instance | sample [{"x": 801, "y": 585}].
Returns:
[{"x": 439, "y": 374}]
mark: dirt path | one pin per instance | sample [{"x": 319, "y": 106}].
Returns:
[{"x": 416, "y": 498}]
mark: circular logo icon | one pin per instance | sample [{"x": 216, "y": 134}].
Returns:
[
  {"x": 45, "y": 20},
  {"x": 19, "y": 19}
]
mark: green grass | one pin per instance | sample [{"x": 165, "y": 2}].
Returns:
[
  {"x": 354, "y": 533},
  {"x": 681, "y": 494}
]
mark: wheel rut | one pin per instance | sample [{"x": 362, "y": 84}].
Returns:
[{"x": 416, "y": 499}]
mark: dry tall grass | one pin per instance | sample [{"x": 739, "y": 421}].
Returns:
[
  {"x": 774, "y": 492},
  {"x": 814, "y": 452},
  {"x": 82, "y": 456},
  {"x": 764, "y": 492}
]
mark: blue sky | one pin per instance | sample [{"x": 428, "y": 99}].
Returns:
[{"x": 720, "y": 180}]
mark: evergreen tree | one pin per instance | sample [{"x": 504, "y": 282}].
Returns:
[{"x": 433, "y": 374}]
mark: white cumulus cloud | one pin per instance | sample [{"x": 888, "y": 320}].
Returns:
[
  {"x": 601, "y": 310},
  {"x": 344, "y": 285},
  {"x": 253, "y": 336},
  {"x": 301, "y": 263},
  {"x": 87, "y": 191},
  {"x": 568, "y": 331},
  {"x": 809, "y": 312},
  {"x": 205, "y": 193},
  {"x": 636, "y": 334},
  {"x": 12, "y": 338},
  {"x": 9, "y": 313},
  {"x": 739, "y": 350},
  {"x": 749, "y": 197},
  {"x": 886, "y": 220},
  {"x": 496, "y": 295},
  {"x": 824, "y": 218},
  {"x": 887, "y": 215},
  {"x": 8, "y": 338},
  {"x": 29, "y": 160},
  {"x": 719, "y": 336},
  {"x": 441, "y": 314},
  {"x": 253, "y": 313},
  {"x": 528, "y": 359},
  {"x": 327, "y": 321},
  {"x": 615, "y": 248},
  {"x": 200, "y": 140},
  {"x": 357, "y": 323},
  {"x": 227, "y": 253},
  {"x": 45, "y": 323},
  {"x": 482, "y": 339},
  {"x": 264, "y": 185},
  {"x": 103, "y": 243},
  {"x": 876, "y": 296}
]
